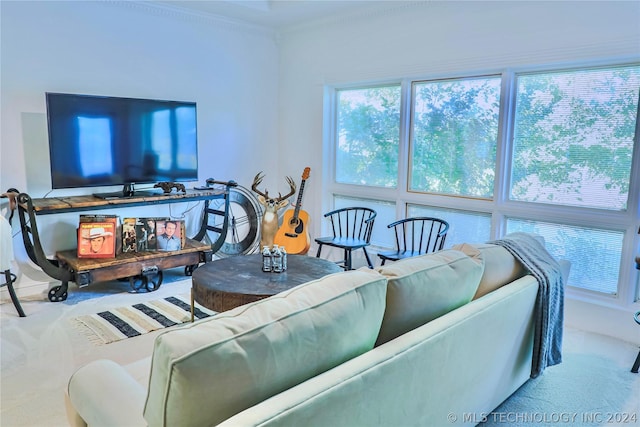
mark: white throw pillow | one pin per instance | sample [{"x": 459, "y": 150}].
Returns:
[
  {"x": 208, "y": 371},
  {"x": 500, "y": 267},
  {"x": 423, "y": 288}
]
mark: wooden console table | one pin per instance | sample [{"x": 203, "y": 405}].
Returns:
[{"x": 144, "y": 270}]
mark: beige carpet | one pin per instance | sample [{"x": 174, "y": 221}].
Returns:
[{"x": 41, "y": 351}]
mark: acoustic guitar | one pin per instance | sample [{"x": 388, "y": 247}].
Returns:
[{"x": 294, "y": 232}]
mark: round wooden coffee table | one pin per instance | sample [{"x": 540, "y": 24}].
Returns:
[{"x": 227, "y": 283}]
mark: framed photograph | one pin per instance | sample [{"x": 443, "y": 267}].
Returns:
[
  {"x": 169, "y": 235},
  {"x": 97, "y": 239}
]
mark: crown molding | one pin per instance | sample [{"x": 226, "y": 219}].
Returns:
[
  {"x": 375, "y": 10},
  {"x": 150, "y": 7}
]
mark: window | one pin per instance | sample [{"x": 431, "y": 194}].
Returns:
[
  {"x": 469, "y": 226},
  {"x": 368, "y": 136},
  {"x": 385, "y": 214},
  {"x": 594, "y": 254},
  {"x": 455, "y": 133},
  {"x": 547, "y": 152},
  {"x": 573, "y": 139}
]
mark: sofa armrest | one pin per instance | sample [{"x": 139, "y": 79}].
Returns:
[{"x": 102, "y": 393}]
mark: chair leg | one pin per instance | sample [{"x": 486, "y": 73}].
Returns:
[
  {"x": 10, "y": 278},
  {"x": 319, "y": 249},
  {"x": 636, "y": 365},
  {"x": 366, "y": 254},
  {"x": 347, "y": 259}
]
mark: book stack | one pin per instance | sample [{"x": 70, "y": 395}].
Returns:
[{"x": 97, "y": 236}]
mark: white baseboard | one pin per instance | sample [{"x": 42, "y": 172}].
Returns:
[{"x": 614, "y": 322}]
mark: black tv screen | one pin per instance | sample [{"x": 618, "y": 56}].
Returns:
[{"x": 99, "y": 140}]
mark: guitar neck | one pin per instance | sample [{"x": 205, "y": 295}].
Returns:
[{"x": 296, "y": 212}]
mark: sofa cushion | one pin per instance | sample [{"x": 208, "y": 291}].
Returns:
[
  {"x": 500, "y": 267},
  {"x": 208, "y": 371},
  {"x": 423, "y": 288}
]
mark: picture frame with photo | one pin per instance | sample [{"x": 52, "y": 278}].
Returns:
[{"x": 169, "y": 235}]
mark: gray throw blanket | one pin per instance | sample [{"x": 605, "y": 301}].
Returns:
[{"x": 549, "y": 308}]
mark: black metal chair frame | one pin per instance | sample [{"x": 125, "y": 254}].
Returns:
[
  {"x": 352, "y": 228},
  {"x": 636, "y": 364},
  {"x": 10, "y": 278},
  {"x": 636, "y": 317},
  {"x": 431, "y": 238}
]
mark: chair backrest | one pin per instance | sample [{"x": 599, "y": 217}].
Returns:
[
  {"x": 353, "y": 222},
  {"x": 420, "y": 234}
]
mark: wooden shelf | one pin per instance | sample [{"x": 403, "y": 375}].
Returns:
[
  {"x": 70, "y": 257},
  {"x": 89, "y": 270},
  {"x": 56, "y": 205}
]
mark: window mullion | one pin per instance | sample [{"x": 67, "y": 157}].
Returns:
[
  {"x": 505, "y": 138},
  {"x": 404, "y": 148}
]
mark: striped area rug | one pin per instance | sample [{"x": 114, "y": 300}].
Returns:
[{"x": 132, "y": 321}]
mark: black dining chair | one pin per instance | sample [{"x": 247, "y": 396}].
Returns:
[
  {"x": 6, "y": 257},
  {"x": 416, "y": 236},
  {"x": 351, "y": 229},
  {"x": 636, "y": 364}
]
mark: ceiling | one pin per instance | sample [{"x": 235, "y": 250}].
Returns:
[{"x": 274, "y": 14}]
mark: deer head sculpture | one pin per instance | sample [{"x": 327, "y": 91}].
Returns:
[{"x": 271, "y": 208}]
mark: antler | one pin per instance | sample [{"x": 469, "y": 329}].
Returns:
[
  {"x": 292, "y": 185},
  {"x": 256, "y": 181}
]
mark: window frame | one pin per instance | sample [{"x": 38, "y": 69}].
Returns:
[{"x": 500, "y": 207}]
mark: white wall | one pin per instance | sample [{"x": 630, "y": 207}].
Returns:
[
  {"x": 434, "y": 39},
  {"x": 125, "y": 49}
]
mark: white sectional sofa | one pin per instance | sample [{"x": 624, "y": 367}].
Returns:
[{"x": 404, "y": 344}]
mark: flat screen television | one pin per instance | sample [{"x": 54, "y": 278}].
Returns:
[{"x": 101, "y": 140}]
